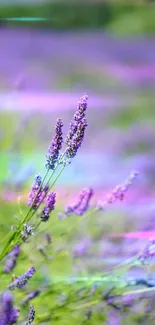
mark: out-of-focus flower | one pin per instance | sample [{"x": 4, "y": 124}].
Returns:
[
  {"x": 12, "y": 259},
  {"x": 147, "y": 256},
  {"x": 31, "y": 316},
  {"x": 22, "y": 280},
  {"x": 49, "y": 206},
  {"x": 81, "y": 204},
  {"x": 8, "y": 314},
  {"x": 80, "y": 249},
  {"x": 55, "y": 146},
  {"x": 48, "y": 238},
  {"x": 30, "y": 296},
  {"x": 118, "y": 193}
]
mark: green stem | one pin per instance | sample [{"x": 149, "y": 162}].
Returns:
[{"x": 16, "y": 235}]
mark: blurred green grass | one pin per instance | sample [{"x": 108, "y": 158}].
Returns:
[{"x": 117, "y": 17}]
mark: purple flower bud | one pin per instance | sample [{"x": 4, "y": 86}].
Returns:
[
  {"x": 49, "y": 206},
  {"x": 22, "y": 280},
  {"x": 31, "y": 296},
  {"x": 55, "y": 146},
  {"x": 12, "y": 259},
  {"x": 8, "y": 314},
  {"x": 31, "y": 316},
  {"x": 48, "y": 238},
  {"x": 27, "y": 232}
]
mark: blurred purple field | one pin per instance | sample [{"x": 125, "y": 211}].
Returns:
[
  {"x": 47, "y": 72},
  {"x": 44, "y": 73},
  {"x": 43, "y": 76}
]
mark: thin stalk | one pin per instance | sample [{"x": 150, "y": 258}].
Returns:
[{"x": 61, "y": 170}]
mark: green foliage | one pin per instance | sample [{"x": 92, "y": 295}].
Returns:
[{"x": 119, "y": 18}]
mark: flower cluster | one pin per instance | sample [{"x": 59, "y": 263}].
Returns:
[
  {"x": 22, "y": 280},
  {"x": 118, "y": 193},
  {"x": 76, "y": 132},
  {"x": 8, "y": 314},
  {"x": 55, "y": 146},
  {"x": 49, "y": 206},
  {"x": 12, "y": 259}
]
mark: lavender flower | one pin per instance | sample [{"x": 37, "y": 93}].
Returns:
[
  {"x": 71, "y": 207},
  {"x": 27, "y": 232},
  {"x": 81, "y": 248},
  {"x": 49, "y": 206},
  {"x": 55, "y": 146},
  {"x": 76, "y": 141},
  {"x": 12, "y": 259},
  {"x": 48, "y": 238},
  {"x": 148, "y": 254},
  {"x": 8, "y": 314},
  {"x": 31, "y": 316},
  {"x": 78, "y": 116},
  {"x": 118, "y": 193},
  {"x": 31, "y": 296},
  {"x": 83, "y": 207},
  {"x": 81, "y": 204},
  {"x": 34, "y": 199},
  {"x": 22, "y": 280}
]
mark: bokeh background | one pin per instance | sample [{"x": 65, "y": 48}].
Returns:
[{"x": 51, "y": 53}]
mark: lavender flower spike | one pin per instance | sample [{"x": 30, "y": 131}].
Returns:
[
  {"x": 78, "y": 116},
  {"x": 30, "y": 296},
  {"x": 12, "y": 259},
  {"x": 77, "y": 140},
  {"x": 34, "y": 199},
  {"x": 31, "y": 316},
  {"x": 77, "y": 129},
  {"x": 8, "y": 314},
  {"x": 55, "y": 146},
  {"x": 85, "y": 202},
  {"x": 22, "y": 280},
  {"x": 49, "y": 206},
  {"x": 119, "y": 192}
]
